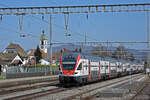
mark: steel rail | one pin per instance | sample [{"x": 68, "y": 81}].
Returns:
[
  {"x": 94, "y": 89},
  {"x": 142, "y": 87},
  {"x": 28, "y": 87}
]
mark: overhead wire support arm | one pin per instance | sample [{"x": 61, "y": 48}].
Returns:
[
  {"x": 97, "y": 43},
  {"x": 75, "y": 9},
  {"x": 20, "y": 25},
  {"x": 66, "y": 18}
]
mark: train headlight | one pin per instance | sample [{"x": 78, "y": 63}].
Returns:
[
  {"x": 60, "y": 72},
  {"x": 75, "y": 73}
]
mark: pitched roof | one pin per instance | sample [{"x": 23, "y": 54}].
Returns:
[
  {"x": 31, "y": 53},
  {"x": 19, "y": 50},
  {"x": 6, "y": 58}
]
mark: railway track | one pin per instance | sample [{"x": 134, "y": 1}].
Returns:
[
  {"x": 36, "y": 93},
  {"x": 4, "y": 91},
  {"x": 10, "y": 92},
  {"x": 89, "y": 94},
  {"x": 18, "y": 82},
  {"x": 87, "y": 91},
  {"x": 143, "y": 92},
  {"x": 54, "y": 91}
]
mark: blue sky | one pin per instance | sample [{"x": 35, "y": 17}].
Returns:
[{"x": 129, "y": 26}]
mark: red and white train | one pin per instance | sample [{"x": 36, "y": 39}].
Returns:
[{"x": 76, "y": 68}]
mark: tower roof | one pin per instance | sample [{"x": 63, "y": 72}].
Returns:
[{"x": 43, "y": 36}]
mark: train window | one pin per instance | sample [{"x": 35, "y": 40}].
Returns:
[
  {"x": 102, "y": 67},
  {"x": 106, "y": 66},
  {"x": 85, "y": 66},
  {"x": 79, "y": 67},
  {"x": 68, "y": 65}
]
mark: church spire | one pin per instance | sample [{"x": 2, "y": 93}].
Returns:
[
  {"x": 43, "y": 35},
  {"x": 43, "y": 42}
]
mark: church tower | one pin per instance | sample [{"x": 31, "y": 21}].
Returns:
[{"x": 43, "y": 42}]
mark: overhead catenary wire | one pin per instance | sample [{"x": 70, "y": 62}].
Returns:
[
  {"x": 82, "y": 34},
  {"x": 4, "y": 5},
  {"x": 69, "y": 30},
  {"x": 48, "y": 23}
]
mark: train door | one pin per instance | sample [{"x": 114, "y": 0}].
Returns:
[
  {"x": 107, "y": 69},
  {"x": 82, "y": 70},
  {"x": 85, "y": 66},
  {"x": 113, "y": 69},
  {"x": 102, "y": 70}
]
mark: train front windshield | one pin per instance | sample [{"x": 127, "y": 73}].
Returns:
[
  {"x": 69, "y": 65},
  {"x": 69, "y": 62}
]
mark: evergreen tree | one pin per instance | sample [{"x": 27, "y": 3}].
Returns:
[
  {"x": 80, "y": 50},
  {"x": 38, "y": 54},
  {"x": 76, "y": 50}
]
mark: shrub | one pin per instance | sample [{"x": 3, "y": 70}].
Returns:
[{"x": 39, "y": 65}]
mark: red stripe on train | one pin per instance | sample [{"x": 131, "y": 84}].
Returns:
[
  {"x": 99, "y": 70},
  {"x": 89, "y": 78}
]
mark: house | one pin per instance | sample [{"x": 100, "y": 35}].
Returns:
[
  {"x": 32, "y": 51},
  {"x": 10, "y": 59},
  {"x": 16, "y": 49},
  {"x": 32, "y": 59},
  {"x": 13, "y": 55},
  {"x": 45, "y": 61}
]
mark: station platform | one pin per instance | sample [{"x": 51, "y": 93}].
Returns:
[{"x": 29, "y": 80}]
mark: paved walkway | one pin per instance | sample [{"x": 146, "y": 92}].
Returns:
[{"x": 11, "y": 82}]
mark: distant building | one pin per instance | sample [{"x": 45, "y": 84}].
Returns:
[{"x": 56, "y": 56}]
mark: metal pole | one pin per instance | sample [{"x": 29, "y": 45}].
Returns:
[
  {"x": 50, "y": 39},
  {"x": 85, "y": 38},
  {"x": 147, "y": 41}
]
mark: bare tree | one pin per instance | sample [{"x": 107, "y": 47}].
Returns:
[
  {"x": 100, "y": 51},
  {"x": 120, "y": 53}
]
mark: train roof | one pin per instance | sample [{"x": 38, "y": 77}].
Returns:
[{"x": 85, "y": 56}]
